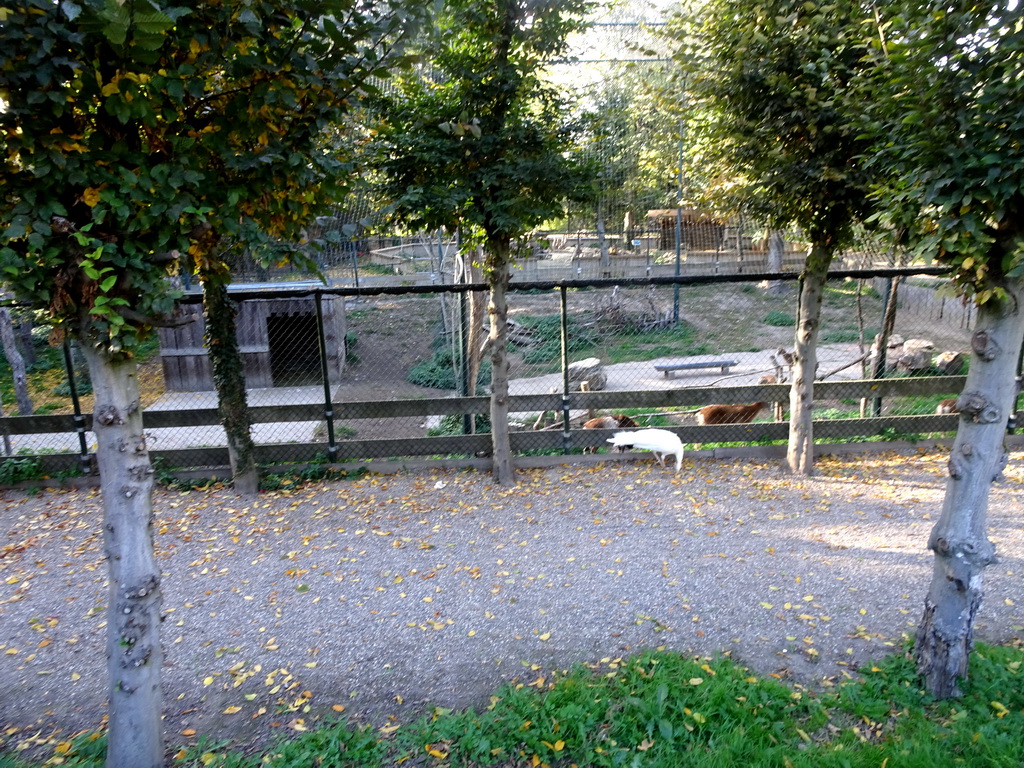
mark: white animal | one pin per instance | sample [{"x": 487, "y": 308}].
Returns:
[{"x": 660, "y": 441}]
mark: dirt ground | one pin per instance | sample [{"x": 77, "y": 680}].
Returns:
[{"x": 389, "y": 594}]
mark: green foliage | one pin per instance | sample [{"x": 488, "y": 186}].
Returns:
[
  {"x": 779, "y": 319},
  {"x": 663, "y": 710},
  {"x": 844, "y": 336},
  {"x": 441, "y": 372},
  {"x": 452, "y": 424},
  {"x": 546, "y": 331},
  {"x": 948, "y": 132},
  {"x": 161, "y": 130},
  {"x": 17, "y": 470},
  {"x": 480, "y": 141},
  {"x": 773, "y": 130}
]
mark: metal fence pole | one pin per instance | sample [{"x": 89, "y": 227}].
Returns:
[
  {"x": 83, "y": 444},
  {"x": 464, "y": 383},
  {"x": 564, "y": 322},
  {"x": 1011, "y": 424},
  {"x": 879, "y": 370},
  {"x": 332, "y": 446}
]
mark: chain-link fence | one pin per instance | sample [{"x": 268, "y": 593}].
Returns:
[{"x": 405, "y": 371}]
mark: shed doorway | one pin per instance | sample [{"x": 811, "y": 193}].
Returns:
[{"x": 294, "y": 350}]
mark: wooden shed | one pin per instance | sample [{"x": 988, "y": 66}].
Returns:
[
  {"x": 700, "y": 230},
  {"x": 278, "y": 340}
]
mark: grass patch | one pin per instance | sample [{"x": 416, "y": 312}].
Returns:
[
  {"x": 662, "y": 710},
  {"x": 779, "y": 319}
]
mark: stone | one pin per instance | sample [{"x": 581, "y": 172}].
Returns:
[
  {"x": 587, "y": 375},
  {"x": 916, "y": 356},
  {"x": 949, "y": 363}
]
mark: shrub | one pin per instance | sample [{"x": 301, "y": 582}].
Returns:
[{"x": 440, "y": 371}]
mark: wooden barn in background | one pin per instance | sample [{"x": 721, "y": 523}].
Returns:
[{"x": 278, "y": 340}]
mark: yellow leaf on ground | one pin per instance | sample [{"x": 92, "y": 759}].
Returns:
[{"x": 232, "y": 710}]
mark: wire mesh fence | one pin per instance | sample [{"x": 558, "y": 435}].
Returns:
[{"x": 349, "y": 377}]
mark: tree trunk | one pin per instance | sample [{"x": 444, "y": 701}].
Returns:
[
  {"x": 602, "y": 244},
  {"x": 229, "y": 380},
  {"x": 26, "y": 344},
  {"x": 16, "y": 361},
  {"x": 800, "y": 454},
  {"x": 959, "y": 541},
  {"x": 497, "y": 312},
  {"x": 8, "y": 450},
  {"x": 776, "y": 247},
  {"x": 474, "y": 334},
  {"x": 134, "y": 656}
]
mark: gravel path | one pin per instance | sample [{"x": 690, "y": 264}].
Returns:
[{"x": 389, "y": 593}]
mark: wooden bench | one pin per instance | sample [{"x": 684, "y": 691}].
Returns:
[{"x": 668, "y": 368}]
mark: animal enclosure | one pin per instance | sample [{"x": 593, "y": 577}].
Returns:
[{"x": 402, "y": 388}]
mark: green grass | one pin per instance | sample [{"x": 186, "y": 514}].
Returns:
[
  {"x": 779, "y": 319},
  {"x": 663, "y": 710}
]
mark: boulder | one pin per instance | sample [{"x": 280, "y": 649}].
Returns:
[
  {"x": 587, "y": 375},
  {"x": 916, "y": 356},
  {"x": 949, "y": 363}
]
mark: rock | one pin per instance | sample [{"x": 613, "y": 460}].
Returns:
[
  {"x": 893, "y": 350},
  {"x": 916, "y": 356},
  {"x": 949, "y": 363},
  {"x": 587, "y": 375}
]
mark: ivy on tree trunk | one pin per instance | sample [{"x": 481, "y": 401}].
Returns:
[{"x": 229, "y": 380}]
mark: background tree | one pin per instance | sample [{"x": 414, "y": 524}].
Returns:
[
  {"x": 774, "y": 133},
  {"x": 134, "y": 132},
  {"x": 477, "y": 141},
  {"x": 949, "y": 127},
  {"x": 16, "y": 361}
]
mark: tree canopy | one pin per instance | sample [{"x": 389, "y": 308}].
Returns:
[
  {"x": 771, "y": 125},
  {"x": 476, "y": 138},
  {"x": 138, "y": 131},
  {"x": 134, "y": 132}
]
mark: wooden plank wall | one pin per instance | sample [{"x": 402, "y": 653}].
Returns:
[{"x": 184, "y": 355}]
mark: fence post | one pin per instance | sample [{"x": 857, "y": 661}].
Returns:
[
  {"x": 1011, "y": 424},
  {"x": 564, "y": 323},
  {"x": 83, "y": 445},
  {"x": 879, "y": 370},
  {"x": 464, "y": 383},
  {"x": 332, "y": 446}
]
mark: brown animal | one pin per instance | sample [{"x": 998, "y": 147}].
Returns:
[
  {"x": 617, "y": 421},
  {"x": 728, "y": 414},
  {"x": 948, "y": 406}
]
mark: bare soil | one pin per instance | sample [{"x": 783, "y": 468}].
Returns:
[{"x": 387, "y": 595}]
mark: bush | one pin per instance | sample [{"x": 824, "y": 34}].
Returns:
[
  {"x": 440, "y": 371},
  {"x": 452, "y": 425},
  {"x": 17, "y": 470}
]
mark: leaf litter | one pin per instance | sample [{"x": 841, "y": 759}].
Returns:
[{"x": 399, "y": 592}]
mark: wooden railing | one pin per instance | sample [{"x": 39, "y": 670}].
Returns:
[{"x": 552, "y": 440}]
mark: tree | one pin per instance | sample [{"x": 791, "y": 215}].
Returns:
[
  {"x": 775, "y": 134},
  {"x": 16, "y": 362},
  {"x": 479, "y": 142},
  {"x": 134, "y": 132},
  {"x": 948, "y": 127}
]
